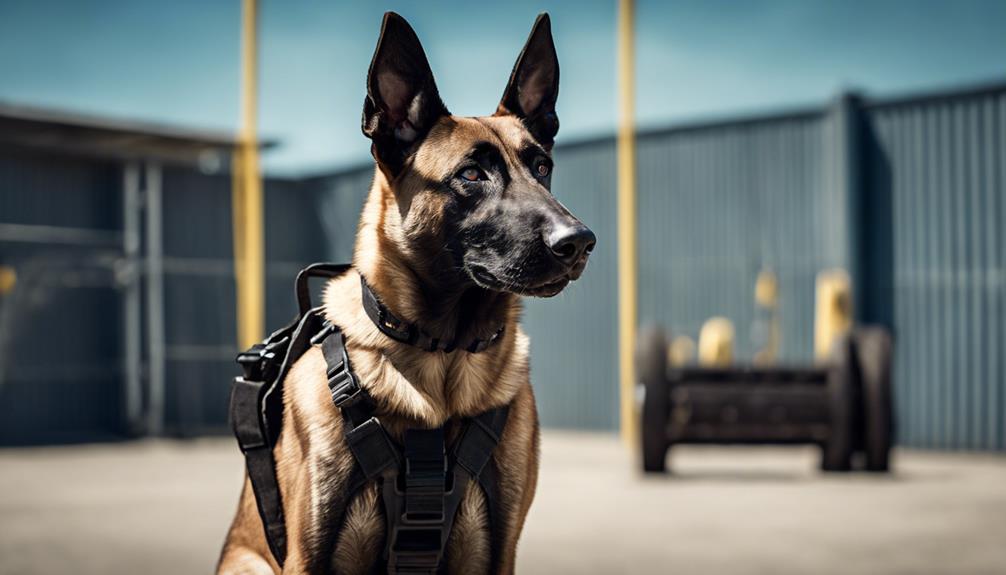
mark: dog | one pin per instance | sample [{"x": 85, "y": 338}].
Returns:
[{"x": 459, "y": 224}]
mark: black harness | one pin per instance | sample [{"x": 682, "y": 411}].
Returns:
[{"x": 422, "y": 482}]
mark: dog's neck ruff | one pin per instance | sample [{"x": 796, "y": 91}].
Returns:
[{"x": 400, "y": 330}]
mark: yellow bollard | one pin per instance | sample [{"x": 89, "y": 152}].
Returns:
[
  {"x": 833, "y": 313},
  {"x": 767, "y": 289},
  {"x": 681, "y": 351},
  {"x": 716, "y": 342},
  {"x": 767, "y": 298}
]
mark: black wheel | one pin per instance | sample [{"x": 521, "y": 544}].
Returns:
[
  {"x": 651, "y": 370},
  {"x": 874, "y": 350},
  {"x": 837, "y": 451}
]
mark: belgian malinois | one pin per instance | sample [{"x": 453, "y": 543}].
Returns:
[{"x": 459, "y": 224}]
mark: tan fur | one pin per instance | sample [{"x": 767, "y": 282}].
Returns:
[{"x": 412, "y": 387}]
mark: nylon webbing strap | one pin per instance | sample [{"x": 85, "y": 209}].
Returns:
[
  {"x": 372, "y": 448},
  {"x": 319, "y": 270},
  {"x": 256, "y": 403},
  {"x": 473, "y": 453},
  {"x": 425, "y": 474},
  {"x": 421, "y": 516},
  {"x": 251, "y": 436},
  {"x": 421, "y": 493},
  {"x": 342, "y": 382},
  {"x": 256, "y": 414},
  {"x": 480, "y": 438},
  {"x": 365, "y": 436}
]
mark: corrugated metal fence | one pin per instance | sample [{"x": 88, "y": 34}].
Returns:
[
  {"x": 908, "y": 195},
  {"x": 307, "y": 221},
  {"x": 717, "y": 205},
  {"x": 60, "y": 228},
  {"x": 942, "y": 161}
]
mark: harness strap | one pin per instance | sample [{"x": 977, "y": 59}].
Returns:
[
  {"x": 420, "y": 508},
  {"x": 373, "y": 450},
  {"x": 256, "y": 403},
  {"x": 480, "y": 438},
  {"x": 420, "y": 491},
  {"x": 422, "y": 486},
  {"x": 473, "y": 453},
  {"x": 259, "y": 462},
  {"x": 318, "y": 270},
  {"x": 256, "y": 413},
  {"x": 250, "y": 411}
]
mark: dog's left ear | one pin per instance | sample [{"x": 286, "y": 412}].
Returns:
[
  {"x": 534, "y": 84},
  {"x": 402, "y": 102}
]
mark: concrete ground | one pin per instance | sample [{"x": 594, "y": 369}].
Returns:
[{"x": 157, "y": 507}]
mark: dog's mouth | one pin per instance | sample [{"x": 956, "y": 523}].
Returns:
[{"x": 485, "y": 279}]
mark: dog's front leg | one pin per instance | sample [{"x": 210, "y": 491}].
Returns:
[
  {"x": 245, "y": 551},
  {"x": 517, "y": 459}
]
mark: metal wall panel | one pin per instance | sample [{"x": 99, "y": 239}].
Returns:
[
  {"x": 947, "y": 158},
  {"x": 717, "y": 205},
  {"x": 912, "y": 201},
  {"x": 909, "y": 194},
  {"x": 306, "y": 221},
  {"x": 199, "y": 300},
  {"x": 574, "y": 338},
  {"x": 60, "y": 231}
]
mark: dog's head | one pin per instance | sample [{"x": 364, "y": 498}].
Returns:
[{"x": 473, "y": 193}]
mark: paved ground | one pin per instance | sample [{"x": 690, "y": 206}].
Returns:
[{"x": 163, "y": 507}]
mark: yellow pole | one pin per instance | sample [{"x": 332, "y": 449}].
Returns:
[
  {"x": 627, "y": 221},
  {"x": 247, "y": 201}
]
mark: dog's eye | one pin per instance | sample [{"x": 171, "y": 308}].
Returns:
[
  {"x": 542, "y": 169},
  {"x": 471, "y": 174}
]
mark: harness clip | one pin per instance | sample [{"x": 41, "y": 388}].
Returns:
[{"x": 261, "y": 361}]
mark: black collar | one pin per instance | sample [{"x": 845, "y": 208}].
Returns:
[{"x": 410, "y": 333}]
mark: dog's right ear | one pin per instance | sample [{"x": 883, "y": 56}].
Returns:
[{"x": 402, "y": 101}]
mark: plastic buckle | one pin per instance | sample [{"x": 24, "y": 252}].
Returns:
[
  {"x": 254, "y": 360},
  {"x": 417, "y": 504},
  {"x": 425, "y": 477},
  {"x": 410, "y": 471},
  {"x": 344, "y": 386},
  {"x": 326, "y": 330},
  {"x": 416, "y": 544},
  {"x": 416, "y": 561}
]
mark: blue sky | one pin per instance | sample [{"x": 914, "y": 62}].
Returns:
[{"x": 178, "y": 62}]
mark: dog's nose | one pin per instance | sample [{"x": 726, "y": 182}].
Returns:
[{"x": 570, "y": 243}]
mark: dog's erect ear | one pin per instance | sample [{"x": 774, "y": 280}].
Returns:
[
  {"x": 402, "y": 101},
  {"x": 534, "y": 84}
]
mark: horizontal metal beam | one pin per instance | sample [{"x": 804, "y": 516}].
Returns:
[{"x": 40, "y": 234}]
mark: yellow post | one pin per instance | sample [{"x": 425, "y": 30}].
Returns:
[
  {"x": 627, "y": 221},
  {"x": 247, "y": 204},
  {"x": 833, "y": 313}
]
